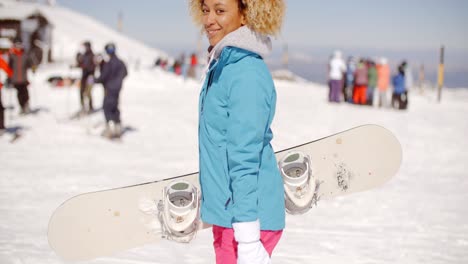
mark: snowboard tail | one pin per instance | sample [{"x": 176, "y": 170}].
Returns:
[{"x": 101, "y": 223}]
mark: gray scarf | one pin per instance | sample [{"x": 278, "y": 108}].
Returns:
[{"x": 243, "y": 38}]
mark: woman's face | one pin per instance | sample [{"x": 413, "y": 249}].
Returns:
[{"x": 221, "y": 17}]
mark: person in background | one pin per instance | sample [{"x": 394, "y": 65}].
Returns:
[
  {"x": 20, "y": 62},
  {"x": 164, "y": 64},
  {"x": 113, "y": 72},
  {"x": 349, "y": 83},
  {"x": 372, "y": 82},
  {"x": 192, "y": 72},
  {"x": 383, "y": 81},
  {"x": 409, "y": 79},
  {"x": 5, "y": 45},
  {"x": 85, "y": 60},
  {"x": 336, "y": 70},
  {"x": 360, "y": 83},
  {"x": 176, "y": 68},
  {"x": 242, "y": 188},
  {"x": 184, "y": 65},
  {"x": 399, "y": 96}
]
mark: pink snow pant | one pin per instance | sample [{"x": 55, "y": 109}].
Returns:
[{"x": 226, "y": 246}]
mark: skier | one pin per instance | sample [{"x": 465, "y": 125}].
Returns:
[
  {"x": 336, "y": 69},
  {"x": 85, "y": 61},
  {"x": 19, "y": 62},
  {"x": 112, "y": 75},
  {"x": 4, "y": 46},
  {"x": 383, "y": 80},
  {"x": 242, "y": 189}
]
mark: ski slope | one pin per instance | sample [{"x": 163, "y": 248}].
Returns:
[{"x": 419, "y": 217}]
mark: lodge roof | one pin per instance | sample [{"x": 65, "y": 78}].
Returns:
[{"x": 18, "y": 11}]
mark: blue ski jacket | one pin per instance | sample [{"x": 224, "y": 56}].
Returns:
[
  {"x": 399, "y": 84},
  {"x": 239, "y": 177},
  {"x": 112, "y": 75}
]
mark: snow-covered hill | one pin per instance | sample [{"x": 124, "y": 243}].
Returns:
[
  {"x": 419, "y": 217},
  {"x": 71, "y": 29}
]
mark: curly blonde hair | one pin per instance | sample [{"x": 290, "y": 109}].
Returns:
[{"x": 262, "y": 16}]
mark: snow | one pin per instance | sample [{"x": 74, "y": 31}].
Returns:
[{"x": 418, "y": 217}]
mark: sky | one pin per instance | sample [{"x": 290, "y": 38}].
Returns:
[{"x": 377, "y": 24}]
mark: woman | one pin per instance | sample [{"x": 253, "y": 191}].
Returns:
[
  {"x": 336, "y": 70},
  {"x": 242, "y": 189}
]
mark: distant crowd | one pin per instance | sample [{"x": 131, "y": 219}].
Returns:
[
  {"x": 358, "y": 81},
  {"x": 368, "y": 82},
  {"x": 106, "y": 68},
  {"x": 15, "y": 62},
  {"x": 182, "y": 66}
]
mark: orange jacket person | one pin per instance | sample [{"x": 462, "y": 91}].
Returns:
[{"x": 383, "y": 80}]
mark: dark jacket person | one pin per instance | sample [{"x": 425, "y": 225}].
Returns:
[{"x": 113, "y": 73}]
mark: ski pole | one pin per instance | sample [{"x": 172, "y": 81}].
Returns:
[
  {"x": 10, "y": 104},
  {"x": 34, "y": 92}
]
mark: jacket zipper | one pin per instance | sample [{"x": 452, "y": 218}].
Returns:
[{"x": 208, "y": 84}]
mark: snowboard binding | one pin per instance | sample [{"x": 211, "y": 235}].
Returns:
[
  {"x": 179, "y": 211},
  {"x": 300, "y": 188}
]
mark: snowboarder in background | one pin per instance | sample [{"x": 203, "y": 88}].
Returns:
[
  {"x": 5, "y": 45},
  {"x": 237, "y": 105},
  {"x": 383, "y": 80},
  {"x": 372, "y": 82},
  {"x": 399, "y": 96},
  {"x": 85, "y": 61},
  {"x": 336, "y": 70},
  {"x": 360, "y": 83},
  {"x": 20, "y": 62},
  {"x": 112, "y": 75}
]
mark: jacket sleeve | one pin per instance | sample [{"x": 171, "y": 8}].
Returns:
[
  {"x": 4, "y": 66},
  {"x": 248, "y": 109},
  {"x": 123, "y": 72}
]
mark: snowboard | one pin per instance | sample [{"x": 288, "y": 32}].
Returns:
[{"x": 102, "y": 223}]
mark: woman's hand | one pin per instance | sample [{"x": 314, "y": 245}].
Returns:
[{"x": 250, "y": 249}]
